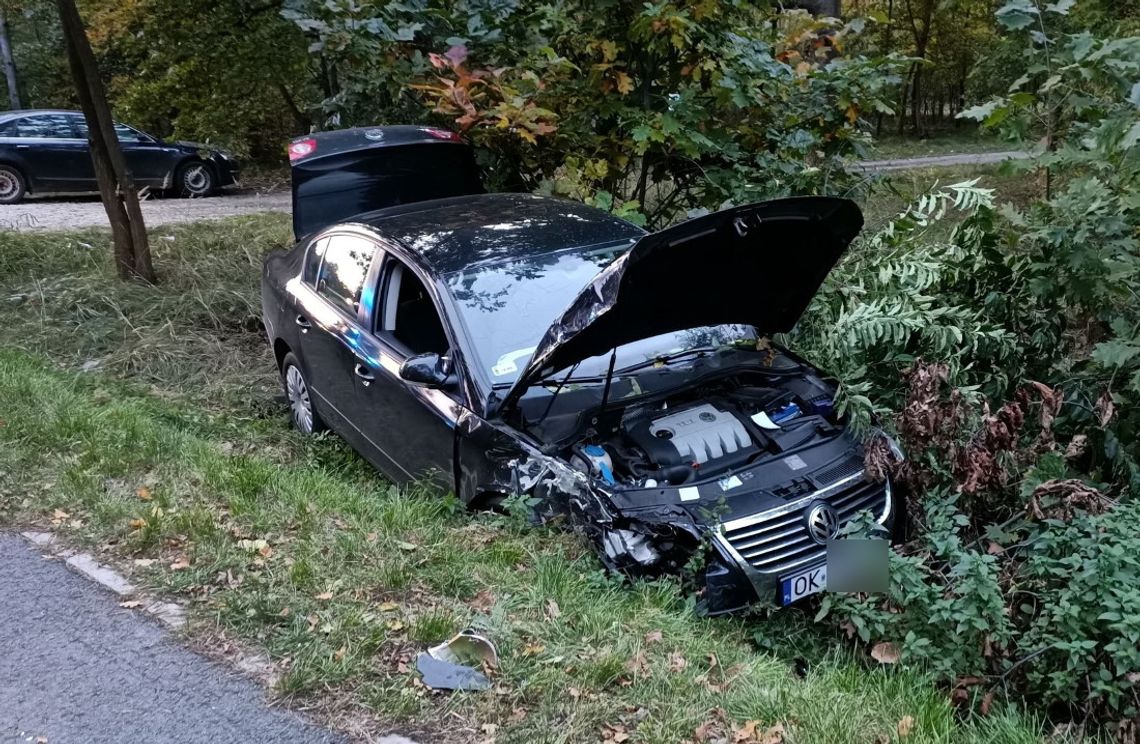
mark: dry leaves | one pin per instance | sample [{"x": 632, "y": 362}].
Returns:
[
  {"x": 905, "y": 726},
  {"x": 552, "y": 610},
  {"x": 885, "y": 652},
  {"x": 180, "y": 564},
  {"x": 144, "y": 493},
  {"x": 130, "y": 604},
  {"x": 323, "y": 596},
  {"x": 653, "y": 636},
  {"x": 677, "y": 662},
  {"x": 718, "y": 729}
]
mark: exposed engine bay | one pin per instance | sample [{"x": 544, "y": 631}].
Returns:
[{"x": 708, "y": 431}]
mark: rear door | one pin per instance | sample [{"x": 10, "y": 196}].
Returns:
[
  {"x": 327, "y": 315},
  {"x": 55, "y": 154}
]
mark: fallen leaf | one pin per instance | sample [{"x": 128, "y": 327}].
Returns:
[
  {"x": 638, "y": 664},
  {"x": 324, "y": 596},
  {"x": 483, "y": 601},
  {"x": 772, "y": 735},
  {"x": 746, "y": 732},
  {"x": 180, "y": 564},
  {"x": 552, "y": 610},
  {"x": 653, "y": 636},
  {"x": 517, "y": 714},
  {"x": 389, "y": 606},
  {"x": 405, "y": 545},
  {"x": 340, "y": 652},
  {"x": 533, "y": 649},
  {"x": 130, "y": 604},
  {"x": 145, "y": 562},
  {"x": 137, "y": 523},
  {"x": 285, "y": 612},
  {"x": 677, "y": 662},
  {"x": 394, "y": 625},
  {"x": 144, "y": 493},
  {"x": 987, "y": 703},
  {"x": 885, "y": 652},
  {"x": 905, "y": 726}
]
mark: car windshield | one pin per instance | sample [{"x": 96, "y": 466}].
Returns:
[{"x": 507, "y": 306}]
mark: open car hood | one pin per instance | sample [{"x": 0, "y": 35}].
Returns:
[{"x": 759, "y": 265}]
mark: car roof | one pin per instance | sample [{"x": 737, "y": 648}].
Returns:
[
  {"x": 16, "y": 113},
  {"x": 463, "y": 231}
]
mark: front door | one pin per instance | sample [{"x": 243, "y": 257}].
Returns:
[{"x": 411, "y": 424}]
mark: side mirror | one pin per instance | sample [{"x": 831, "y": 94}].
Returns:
[{"x": 430, "y": 370}]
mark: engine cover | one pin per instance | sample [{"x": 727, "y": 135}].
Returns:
[{"x": 699, "y": 434}]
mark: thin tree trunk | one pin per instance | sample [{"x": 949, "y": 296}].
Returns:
[
  {"x": 116, "y": 183},
  {"x": 9, "y": 63}
]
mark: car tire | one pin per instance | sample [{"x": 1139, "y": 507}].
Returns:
[
  {"x": 194, "y": 180},
  {"x": 12, "y": 185},
  {"x": 302, "y": 413}
]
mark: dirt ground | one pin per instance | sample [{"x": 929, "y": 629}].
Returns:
[{"x": 59, "y": 212}]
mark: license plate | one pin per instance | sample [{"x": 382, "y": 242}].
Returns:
[{"x": 809, "y": 581}]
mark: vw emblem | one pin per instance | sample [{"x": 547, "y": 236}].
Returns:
[
  {"x": 822, "y": 523},
  {"x": 374, "y": 134}
]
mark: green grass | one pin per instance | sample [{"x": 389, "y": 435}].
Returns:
[
  {"x": 966, "y": 140},
  {"x": 172, "y": 449},
  {"x": 890, "y": 192}
]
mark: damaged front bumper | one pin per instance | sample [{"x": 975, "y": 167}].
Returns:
[{"x": 745, "y": 558}]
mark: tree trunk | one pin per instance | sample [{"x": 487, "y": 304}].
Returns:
[
  {"x": 116, "y": 183},
  {"x": 9, "y": 63}
]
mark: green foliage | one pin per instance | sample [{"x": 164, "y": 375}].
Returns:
[
  {"x": 659, "y": 108},
  {"x": 905, "y": 292},
  {"x": 1023, "y": 575},
  {"x": 227, "y": 73}
]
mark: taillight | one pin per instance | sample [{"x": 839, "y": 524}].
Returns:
[
  {"x": 301, "y": 148},
  {"x": 444, "y": 134}
]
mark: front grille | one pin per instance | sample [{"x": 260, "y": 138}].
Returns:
[{"x": 779, "y": 542}]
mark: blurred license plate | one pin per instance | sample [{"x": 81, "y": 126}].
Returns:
[{"x": 808, "y": 581}]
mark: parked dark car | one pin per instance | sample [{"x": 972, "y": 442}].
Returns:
[
  {"x": 47, "y": 151},
  {"x": 513, "y": 345}
]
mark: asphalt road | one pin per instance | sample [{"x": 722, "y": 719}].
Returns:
[{"x": 77, "y": 668}]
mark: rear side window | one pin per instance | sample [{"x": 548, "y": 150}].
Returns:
[
  {"x": 343, "y": 270},
  {"x": 51, "y": 126},
  {"x": 313, "y": 258}
]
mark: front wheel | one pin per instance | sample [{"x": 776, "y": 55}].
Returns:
[
  {"x": 12, "y": 185},
  {"x": 194, "y": 180},
  {"x": 301, "y": 411}
]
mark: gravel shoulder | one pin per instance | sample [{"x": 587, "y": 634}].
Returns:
[
  {"x": 80, "y": 211},
  {"x": 77, "y": 668}
]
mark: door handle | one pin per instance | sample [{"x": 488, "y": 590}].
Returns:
[
  {"x": 304, "y": 323},
  {"x": 364, "y": 373}
]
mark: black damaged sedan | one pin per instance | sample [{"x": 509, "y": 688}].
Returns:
[{"x": 517, "y": 345}]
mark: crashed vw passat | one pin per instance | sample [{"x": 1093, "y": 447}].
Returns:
[{"x": 516, "y": 345}]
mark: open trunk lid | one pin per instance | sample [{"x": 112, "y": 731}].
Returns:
[
  {"x": 345, "y": 172},
  {"x": 759, "y": 265}
]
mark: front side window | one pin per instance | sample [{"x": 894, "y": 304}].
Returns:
[
  {"x": 342, "y": 273},
  {"x": 409, "y": 314}
]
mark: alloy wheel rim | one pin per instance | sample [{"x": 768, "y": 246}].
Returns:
[
  {"x": 7, "y": 184},
  {"x": 299, "y": 404},
  {"x": 196, "y": 179}
]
